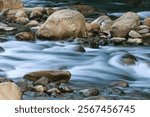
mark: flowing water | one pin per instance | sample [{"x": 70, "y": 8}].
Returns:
[{"x": 94, "y": 68}]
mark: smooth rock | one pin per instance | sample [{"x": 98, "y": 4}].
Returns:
[
  {"x": 105, "y": 23},
  {"x": 134, "y": 34},
  {"x": 123, "y": 25},
  {"x": 144, "y": 31},
  {"x": 117, "y": 40},
  {"x": 53, "y": 76},
  {"x": 20, "y": 14},
  {"x": 135, "y": 41},
  {"x": 129, "y": 59},
  {"x": 121, "y": 83},
  {"x": 25, "y": 36},
  {"x": 146, "y": 36},
  {"x": 39, "y": 88},
  {"x": 35, "y": 14},
  {"x": 50, "y": 11},
  {"x": 92, "y": 26},
  {"x": 22, "y": 20},
  {"x": 89, "y": 92},
  {"x": 23, "y": 85},
  {"x": 42, "y": 81},
  {"x": 143, "y": 27},
  {"x": 114, "y": 91},
  {"x": 63, "y": 24},
  {"x": 76, "y": 48},
  {"x": 12, "y": 4},
  {"x": 147, "y": 21},
  {"x": 5, "y": 27},
  {"x": 3, "y": 79},
  {"x": 50, "y": 91},
  {"x": 32, "y": 23},
  {"x": 10, "y": 91},
  {"x": 95, "y": 98}
]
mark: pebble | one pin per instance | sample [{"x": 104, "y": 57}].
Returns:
[
  {"x": 143, "y": 31},
  {"x": 136, "y": 41},
  {"x": 39, "y": 88},
  {"x": 89, "y": 92},
  {"x": 134, "y": 34}
]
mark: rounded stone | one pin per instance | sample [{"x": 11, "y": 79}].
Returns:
[
  {"x": 25, "y": 36},
  {"x": 147, "y": 21},
  {"x": 89, "y": 92},
  {"x": 63, "y": 24}
]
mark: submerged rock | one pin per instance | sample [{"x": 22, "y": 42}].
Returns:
[
  {"x": 53, "y": 76},
  {"x": 123, "y": 25},
  {"x": 129, "y": 59},
  {"x": 63, "y": 24},
  {"x": 10, "y": 91},
  {"x": 121, "y": 83}
]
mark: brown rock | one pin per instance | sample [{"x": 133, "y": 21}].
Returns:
[
  {"x": 117, "y": 40},
  {"x": 1, "y": 5},
  {"x": 143, "y": 27},
  {"x": 20, "y": 14},
  {"x": 121, "y": 83},
  {"x": 49, "y": 10},
  {"x": 63, "y": 24},
  {"x": 89, "y": 92},
  {"x": 105, "y": 23},
  {"x": 123, "y": 25},
  {"x": 39, "y": 88},
  {"x": 25, "y": 36},
  {"x": 10, "y": 91},
  {"x": 22, "y": 20},
  {"x": 53, "y": 76},
  {"x": 42, "y": 81},
  {"x": 146, "y": 36},
  {"x": 32, "y": 23},
  {"x": 144, "y": 31},
  {"x": 134, "y": 34},
  {"x": 135, "y": 41},
  {"x": 129, "y": 59},
  {"x": 12, "y": 4},
  {"x": 147, "y": 21},
  {"x": 35, "y": 14}
]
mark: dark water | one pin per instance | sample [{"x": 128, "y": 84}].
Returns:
[{"x": 94, "y": 68}]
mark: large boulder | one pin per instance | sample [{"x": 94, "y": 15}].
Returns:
[
  {"x": 123, "y": 25},
  {"x": 63, "y": 24},
  {"x": 53, "y": 76},
  {"x": 11, "y": 4},
  {"x": 10, "y": 91}
]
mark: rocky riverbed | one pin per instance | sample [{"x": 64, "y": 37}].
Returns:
[{"x": 73, "y": 51}]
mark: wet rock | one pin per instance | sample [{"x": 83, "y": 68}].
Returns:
[
  {"x": 35, "y": 14},
  {"x": 146, "y": 36},
  {"x": 5, "y": 27},
  {"x": 129, "y": 59},
  {"x": 63, "y": 24},
  {"x": 25, "y": 36},
  {"x": 117, "y": 40},
  {"x": 105, "y": 23},
  {"x": 143, "y": 27},
  {"x": 135, "y": 41},
  {"x": 114, "y": 91},
  {"x": 3, "y": 79},
  {"x": 147, "y": 21},
  {"x": 50, "y": 91},
  {"x": 10, "y": 91},
  {"x": 95, "y": 98},
  {"x": 134, "y": 34},
  {"x": 22, "y": 20},
  {"x": 52, "y": 85},
  {"x": 2, "y": 49},
  {"x": 121, "y": 83},
  {"x": 50, "y": 11},
  {"x": 23, "y": 85},
  {"x": 144, "y": 31},
  {"x": 89, "y": 92},
  {"x": 1, "y": 5},
  {"x": 42, "y": 81},
  {"x": 12, "y": 4},
  {"x": 20, "y": 14},
  {"x": 39, "y": 88},
  {"x": 76, "y": 48},
  {"x": 32, "y": 23},
  {"x": 123, "y": 25},
  {"x": 66, "y": 89},
  {"x": 35, "y": 29},
  {"x": 53, "y": 76}
]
